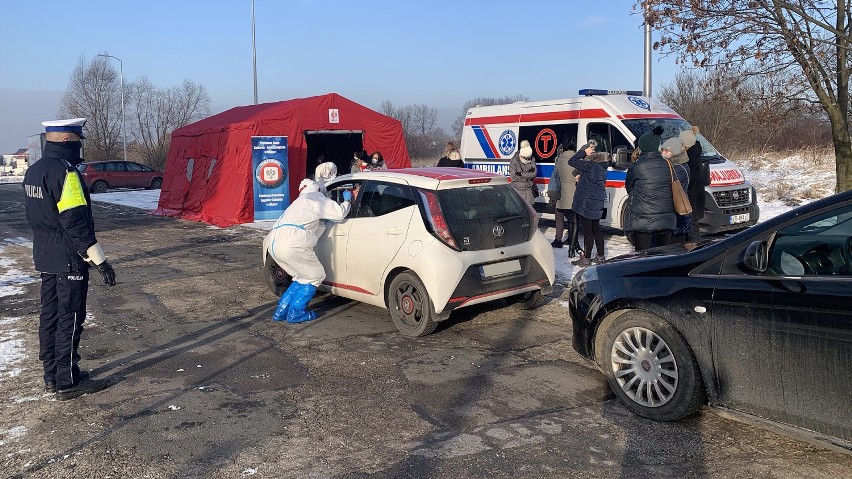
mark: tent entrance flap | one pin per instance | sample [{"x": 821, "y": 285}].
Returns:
[{"x": 336, "y": 146}]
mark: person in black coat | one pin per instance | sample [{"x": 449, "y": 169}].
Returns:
[
  {"x": 453, "y": 159},
  {"x": 589, "y": 200},
  {"x": 59, "y": 211},
  {"x": 651, "y": 212}
]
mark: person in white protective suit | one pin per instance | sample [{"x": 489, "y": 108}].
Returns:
[
  {"x": 324, "y": 173},
  {"x": 294, "y": 236}
]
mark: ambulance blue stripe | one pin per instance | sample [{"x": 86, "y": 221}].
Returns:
[{"x": 477, "y": 130}]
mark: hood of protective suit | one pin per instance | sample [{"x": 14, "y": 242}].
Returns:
[
  {"x": 308, "y": 186},
  {"x": 326, "y": 172}
]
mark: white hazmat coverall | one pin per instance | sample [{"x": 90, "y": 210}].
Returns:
[{"x": 297, "y": 230}]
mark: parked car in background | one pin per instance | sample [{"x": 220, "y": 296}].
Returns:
[
  {"x": 99, "y": 176},
  {"x": 759, "y": 322},
  {"x": 422, "y": 242}
]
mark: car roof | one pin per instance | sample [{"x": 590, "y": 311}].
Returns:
[{"x": 432, "y": 177}]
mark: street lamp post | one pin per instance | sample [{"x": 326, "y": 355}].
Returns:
[
  {"x": 121, "y": 77},
  {"x": 253, "y": 53}
]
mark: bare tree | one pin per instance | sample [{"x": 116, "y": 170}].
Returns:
[
  {"x": 791, "y": 39},
  {"x": 423, "y": 119},
  {"x": 157, "y": 112},
  {"x": 482, "y": 101},
  {"x": 94, "y": 93},
  {"x": 403, "y": 114}
]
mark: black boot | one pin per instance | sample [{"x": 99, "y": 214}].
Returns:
[{"x": 86, "y": 386}]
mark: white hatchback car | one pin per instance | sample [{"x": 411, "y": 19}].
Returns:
[{"x": 422, "y": 242}]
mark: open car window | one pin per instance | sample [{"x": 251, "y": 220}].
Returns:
[
  {"x": 817, "y": 246},
  {"x": 335, "y": 192}
]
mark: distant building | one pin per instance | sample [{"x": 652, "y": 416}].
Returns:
[{"x": 15, "y": 163}]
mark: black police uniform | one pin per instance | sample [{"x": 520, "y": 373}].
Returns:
[{"x": 60, "y": 214}]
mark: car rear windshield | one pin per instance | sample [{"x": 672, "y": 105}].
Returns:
[{"x": 485, "y": 217}]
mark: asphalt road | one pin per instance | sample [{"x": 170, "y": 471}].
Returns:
[{"x": 206, "y": 385}]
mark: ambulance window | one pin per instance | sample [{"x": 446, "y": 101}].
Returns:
[{"x": 607, "y": 136}]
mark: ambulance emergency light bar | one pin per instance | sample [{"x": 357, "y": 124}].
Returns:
[{"x": 590, "y": 92}]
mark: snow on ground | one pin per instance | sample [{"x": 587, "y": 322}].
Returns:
[
  {"x": 11, "y": 179},
  {"x": 12, "y": 279}
]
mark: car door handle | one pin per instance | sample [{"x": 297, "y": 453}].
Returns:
[
  {"x": 393, "y": 232},
  {"x": 340, "y": 233}
]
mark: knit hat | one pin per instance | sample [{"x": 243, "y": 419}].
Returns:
[
  {"x": 687, "y": 137},
  {"x": 649, "y": 142},
  {"x": 673, "y": 145},
  {"x": 526, "y": 150}
]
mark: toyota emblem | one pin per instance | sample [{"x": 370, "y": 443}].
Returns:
[{"x": 498, "y": 230}]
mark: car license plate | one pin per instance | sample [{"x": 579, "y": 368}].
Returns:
[
  {"x": 500, "y": 269},
  {"x": 739, "y": 218}
]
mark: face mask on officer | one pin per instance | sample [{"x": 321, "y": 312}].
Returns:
[{"x": 72, "y": 151}]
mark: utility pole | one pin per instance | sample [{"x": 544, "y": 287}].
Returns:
[
  {"x": 646, "y": 89},
  {"x": 253, "y": 53}
]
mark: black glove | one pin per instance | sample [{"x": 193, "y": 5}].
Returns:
[{"x": 105, "y": 269}]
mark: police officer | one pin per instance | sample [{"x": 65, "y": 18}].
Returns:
[{"x": 64, "y": 246}]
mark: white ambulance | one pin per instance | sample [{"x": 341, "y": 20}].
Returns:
[{"x": 615, "y": 119}]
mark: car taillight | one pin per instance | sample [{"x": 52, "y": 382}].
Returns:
[{"x": 436, "y": 219}]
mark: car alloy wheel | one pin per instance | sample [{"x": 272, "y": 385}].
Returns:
[
  {"x": 410, "y": 306},
  {"x": 649, "y": 365},
  {"x": 644, "y": 367}
]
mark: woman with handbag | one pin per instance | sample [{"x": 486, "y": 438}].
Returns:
[
  {"x": 651, "y": 212},
  {"x": 673, "y": 151},
  {"x": 522, "y": 172}
]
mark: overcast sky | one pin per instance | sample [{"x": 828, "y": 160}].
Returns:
[{"x": 439, "y": 52}]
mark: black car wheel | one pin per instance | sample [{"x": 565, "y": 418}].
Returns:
[
  {"x": 99, "y": 187},
  {"x": 276, "y": 278},
  {"x": 156, "y": 183},
  {"x": 528, "y": 300},
  {"x": 410, "y": 306},
  {"x": 649, "y": 366}
]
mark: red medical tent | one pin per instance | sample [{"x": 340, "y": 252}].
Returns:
[{"x": 208, "y": 173}]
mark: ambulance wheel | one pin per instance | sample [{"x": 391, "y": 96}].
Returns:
[
  {"x": 99, "y": 187},
  {"x": 276, "y": 278},
  {"x": 410, "y": 306}
]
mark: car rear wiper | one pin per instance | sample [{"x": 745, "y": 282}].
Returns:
[{"x": 508, "y": 218}]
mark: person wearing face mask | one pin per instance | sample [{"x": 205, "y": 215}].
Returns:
[
  {"x": 295, "y": 235},
  {"x": 522, "y": 171},
  {"x": 377, "y": 161},
  {"x": 323, "y": 175},
  {"x": 59, "y": 211}
]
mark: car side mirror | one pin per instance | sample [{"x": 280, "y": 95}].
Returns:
[
  {"x": 622, "y": 158},
  {"x": 756, "y": 257}
]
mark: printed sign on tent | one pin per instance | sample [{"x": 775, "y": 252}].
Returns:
[
  {"x": 333, "y": 115},
  {"x": 271, "y": 168}
]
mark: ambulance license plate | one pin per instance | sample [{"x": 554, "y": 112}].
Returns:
[
  {"x": 504, "y": 268},
  {"x": 739, "y": 218}
]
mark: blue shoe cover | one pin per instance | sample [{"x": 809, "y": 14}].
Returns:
[
  {"x": 301, "y": 298},
  {"x": 284, "y": 302}
]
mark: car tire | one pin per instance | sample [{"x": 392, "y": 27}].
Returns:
[
  {"x": 630, "y": 347},
  {"x": 628, "y": 235},
  {"x": 528, "y": 300},
  {"x": 156, "y": 183},
  {"x": 99, "y": 187},
  {"x": 410, "y": 306},
  {"x": 276, "y": 278}
]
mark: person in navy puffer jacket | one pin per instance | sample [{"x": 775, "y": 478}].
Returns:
[{"x": 589, "y": 199}]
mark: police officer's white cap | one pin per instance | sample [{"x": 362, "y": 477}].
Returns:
[{"x": 74, "y": 125}]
